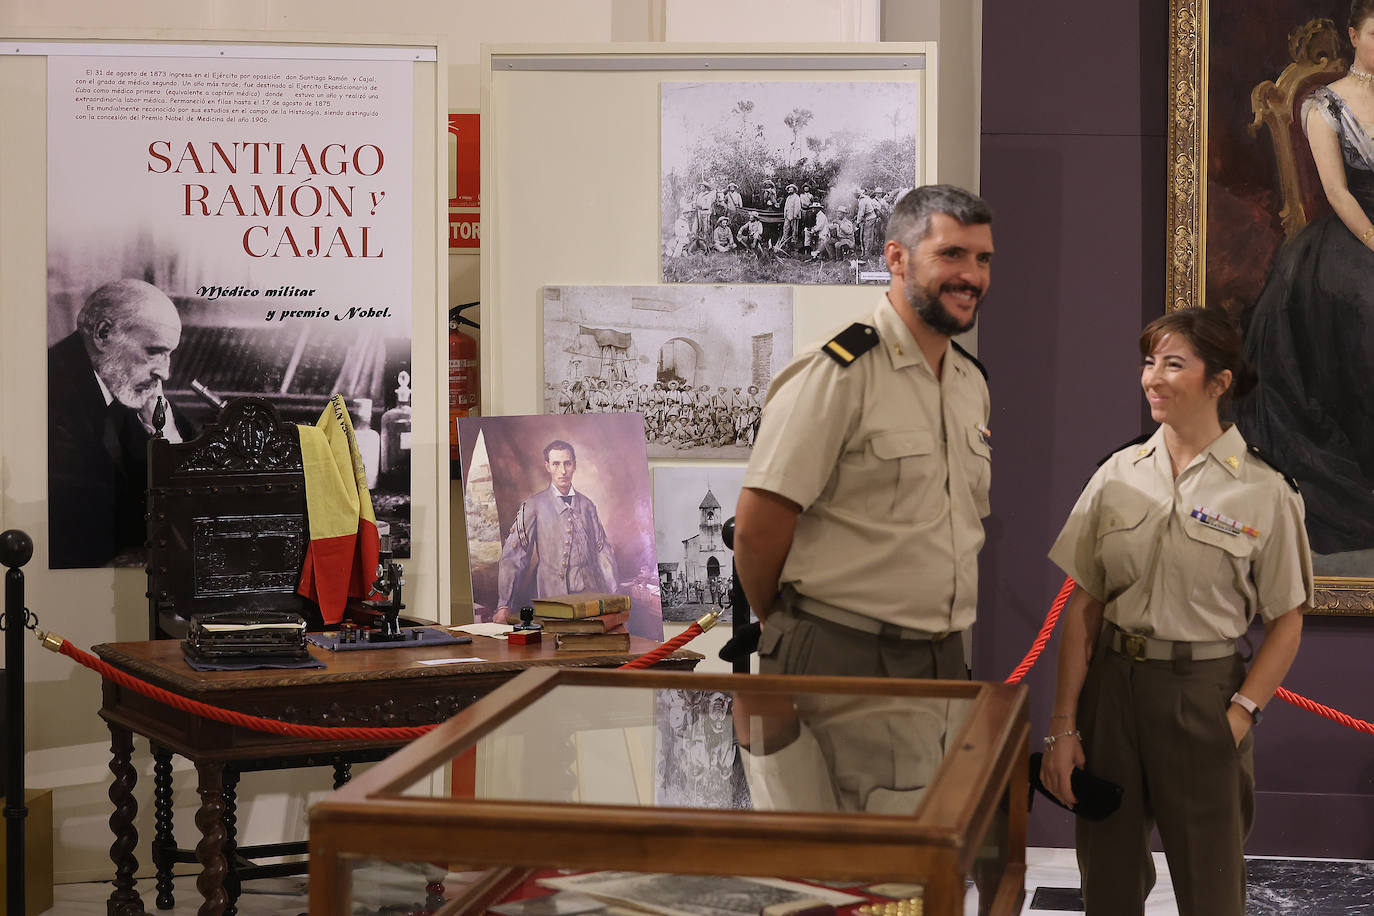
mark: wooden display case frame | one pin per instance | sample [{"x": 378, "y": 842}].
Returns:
[{"x": 985, "y": 768}]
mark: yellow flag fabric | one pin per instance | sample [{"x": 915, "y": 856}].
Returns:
[{"x": 341, "y": 560}]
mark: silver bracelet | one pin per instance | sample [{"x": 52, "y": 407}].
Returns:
[{"x": 1050, "y": 739}]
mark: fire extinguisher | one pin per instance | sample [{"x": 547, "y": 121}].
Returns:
[{"x": 464, "y": 383}]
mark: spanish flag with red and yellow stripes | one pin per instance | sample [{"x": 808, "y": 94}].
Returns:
[{"x": 341, "y": 560}]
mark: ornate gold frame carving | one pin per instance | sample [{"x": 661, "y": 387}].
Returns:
[{"x": 1186, "y": 220}]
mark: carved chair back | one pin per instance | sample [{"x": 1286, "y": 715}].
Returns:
[
  {"x": 226, "y": 520},
  {"x": 1316, "y": 49}
]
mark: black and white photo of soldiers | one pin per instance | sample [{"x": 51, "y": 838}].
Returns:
[
  {"x": 694, "y": 361},
  {"x": 783, "y": 182}
]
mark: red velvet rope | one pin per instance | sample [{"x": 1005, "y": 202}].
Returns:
[
  {"x": 321, "y": 732},
  {"x": 332, "y": 732},
  {"x": 1287, "y": 696},
  {"x": 1046, "y": 629}
]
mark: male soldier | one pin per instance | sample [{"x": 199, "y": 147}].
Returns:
[
  {"x": 657, "y": 402},
  {"x": 858, "y": 528},
  {"x": 600, "y": 400},
  {"x": 791, "y": 214},
  {"x": 673, "y": 401},
  {"x": 720, "y": 416},
  {"x": 838, "y": 239},
  {"x": 770, "y": 196},
  {"x": 565, "y": 397},
  {"x": 867, "y": 216},
  {"x": 104, "y": 382},
  {"x": 733, "y": 201},
  {"x": 557, "y": 532},
  {"x": 702, "y": 204},
  {"x": 751, "y": 233},
  {"x": 722, "y": 239},
  {"x": 819, "y": 233},
  {"x": 739, "y": 414}
]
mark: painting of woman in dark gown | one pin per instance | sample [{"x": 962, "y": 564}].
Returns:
[{"x": 1310, "y": 332}]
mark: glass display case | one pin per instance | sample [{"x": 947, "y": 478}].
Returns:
[{"x": 577, "y": 791}]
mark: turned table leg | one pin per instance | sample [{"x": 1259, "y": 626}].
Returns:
[
  {"x": 124, "y": 899},
  {"x": 164, "y": 843},
  {"x": 210, "y": 849}
]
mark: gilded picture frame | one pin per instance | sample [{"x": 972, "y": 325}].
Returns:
[{"x": 1239, "y": 176}]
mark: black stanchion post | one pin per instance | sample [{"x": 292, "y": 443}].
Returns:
[
  {"x": 739, "y": 605},
  {"x": 16, "y": 549}
]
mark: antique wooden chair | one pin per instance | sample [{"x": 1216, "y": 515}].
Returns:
[
  {"x": 227, "y": 530},
  {"x": 1315, "y": 48}
]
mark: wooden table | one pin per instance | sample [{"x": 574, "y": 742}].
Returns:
[{"x": 377, "y": 687}]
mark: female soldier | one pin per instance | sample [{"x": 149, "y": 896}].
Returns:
[{"x": 1175, "y": 545}]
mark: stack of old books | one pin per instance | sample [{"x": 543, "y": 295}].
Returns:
[{"x": 586, "y": 620}]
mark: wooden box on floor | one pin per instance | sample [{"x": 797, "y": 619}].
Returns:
[
  {"x": 37, "y": 853},
  {"x": 638, "y": 772}
]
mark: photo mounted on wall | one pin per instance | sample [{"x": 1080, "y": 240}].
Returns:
[
  {"x": 695, "y": 361},
  {"x": 556, "y": 505},
  {"x": 783, "y": 182},
  {"x": 694, "y": 565},
  {"x": 210, "y": 236}
]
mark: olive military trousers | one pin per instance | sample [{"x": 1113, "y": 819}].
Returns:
[{"x": 1159, "y": 729}]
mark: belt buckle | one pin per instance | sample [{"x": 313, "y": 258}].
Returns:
[{"x": 1133, "y": 646}]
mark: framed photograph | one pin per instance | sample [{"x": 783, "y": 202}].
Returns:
[
  {"x": 1250, "y": 231},
  {"x": 783, "y": 182},
  {"x": 695, "y": 361},
  {"x": 695, "y": 568}
]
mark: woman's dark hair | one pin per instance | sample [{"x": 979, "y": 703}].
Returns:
[
  {"x": 1360, "y": 10},
  {"x": 1214, "y": 337}
]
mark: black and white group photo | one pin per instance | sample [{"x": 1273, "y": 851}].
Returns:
[
  {"x": 696, "y": 362},
  {"x": 783, "y": 182}
]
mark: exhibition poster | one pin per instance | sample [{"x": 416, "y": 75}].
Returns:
[{"x": 231, "y": 220}]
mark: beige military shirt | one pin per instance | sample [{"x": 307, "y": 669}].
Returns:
[
  {"x": 891, "y": 468},
  {"x": 1191, "y": 559}
]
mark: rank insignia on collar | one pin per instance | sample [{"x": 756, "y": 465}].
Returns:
[
  {"x": 1142, "y": 451},
  {"x": 1234, "y": 462}
]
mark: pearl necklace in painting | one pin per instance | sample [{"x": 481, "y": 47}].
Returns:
[{"x": 1362, "y": 75}]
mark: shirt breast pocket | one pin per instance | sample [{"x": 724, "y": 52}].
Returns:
[
  {"x": 978, "y": 461},
  {"x": 908, "y": 484},
  {"x": 1218, "y": 556},
  {"x": 1124, "y": 537}
]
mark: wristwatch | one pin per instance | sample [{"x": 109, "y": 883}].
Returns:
[{"x": 1248, "y": 705}]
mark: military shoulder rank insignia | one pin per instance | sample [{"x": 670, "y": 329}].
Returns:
[
  {"x": 1287, "y": 478},
  {"x": 971, "y": 358},
  {"x": 851, "y": 343},
  {"x": 1139, "y": 453}
]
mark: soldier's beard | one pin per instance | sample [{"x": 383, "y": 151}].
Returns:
[{"x": 926, "y": 303}]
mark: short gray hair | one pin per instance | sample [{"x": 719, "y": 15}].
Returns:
[
  {"x": 910, "y": 221},
  {"x": 115, "y": 302}
]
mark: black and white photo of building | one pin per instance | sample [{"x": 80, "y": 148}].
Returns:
[{"x": 695, "y": 568}]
